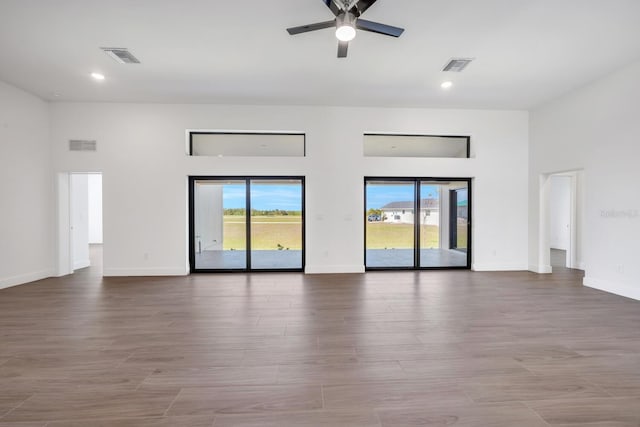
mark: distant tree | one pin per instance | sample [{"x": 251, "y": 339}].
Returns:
[
  {"x": 235, "y": 211},
  {"x": 272, "y": 212},
  {"x": 373, "y": 211}
]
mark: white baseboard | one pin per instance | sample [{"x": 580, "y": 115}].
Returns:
[
  {"x": 330, "y": 269},
  {"x": 581, "y": 266},
  {"x": 540, "y": 269},
  {"x": 81, "y": 264},
  {"x": 498, "y": 267},
  {"x": 120, "y": 272},
  {"x": 7, "y": 282},
  {"x": 623, "y": 289}
]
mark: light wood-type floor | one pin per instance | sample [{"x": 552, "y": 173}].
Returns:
[{"x": 381, "y": 349}]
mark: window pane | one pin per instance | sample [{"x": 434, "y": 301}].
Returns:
[
  {"x": 276, "y": 224},
  {"x": 443, "y": 224},
  {"x": 220, "y": 224},
  {"x": 390, "y": 224},
  {"x": 416, "y": 146},
  {"x": 247, "y": 144}
]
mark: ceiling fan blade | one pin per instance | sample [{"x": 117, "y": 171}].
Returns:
[
  {"x": 343, "y": 47},
  {"x": 376, "y": 27},
  {"x": 331, "y": 4},
  {"x": 311, "y": 27},
  {"x": 361, "y": 6}
]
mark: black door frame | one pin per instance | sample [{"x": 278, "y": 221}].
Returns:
[
  {"x": 247, "y": 180},
  {"x": 417, "y": 196}
]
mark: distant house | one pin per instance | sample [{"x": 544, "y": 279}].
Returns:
[{"x": 402, "y": 212}]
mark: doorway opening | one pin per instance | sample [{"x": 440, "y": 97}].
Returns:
[
  {"x": 80, "y": 230},
  {"x": 561, "y": 207},
  {"x": 417, "y": 223},
  {"x": 560, "y": 221}
]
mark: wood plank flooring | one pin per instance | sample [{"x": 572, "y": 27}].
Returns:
[{"x": 375, "y": 350}]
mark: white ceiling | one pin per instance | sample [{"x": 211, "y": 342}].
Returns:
[{"x": 213, "y": 51}]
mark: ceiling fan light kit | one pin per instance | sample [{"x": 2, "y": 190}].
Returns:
[
  {"x": 346, "y": 27},
  {"x": 347, "y": 19}
]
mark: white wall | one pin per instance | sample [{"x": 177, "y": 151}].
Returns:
[
  {"x": 209, "y": 218},
  {"x": 142, "y": 155},
  {"x": 26, "y": 188},
  {"x": 95, "y": 208},
  {"x": 80, "y": 220},
  {"x": 560, "y": 210},
  {"x": 596, "y": 129}
]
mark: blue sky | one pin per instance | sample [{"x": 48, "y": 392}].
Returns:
[
  {"x": 380, "y": 195},
  {"x": 289, "y": 196},
  {"x": 286, "y": 197}
]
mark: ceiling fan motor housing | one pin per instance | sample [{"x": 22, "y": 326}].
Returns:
[{"x": 346, "y": 19}]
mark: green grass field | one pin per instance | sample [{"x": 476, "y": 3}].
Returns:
[
  {"x": 462, "y": 235},
  {"x": 267, "y": 232},
  {"x": 382, "y": 235},
  {"x": 271, "y": 231}
]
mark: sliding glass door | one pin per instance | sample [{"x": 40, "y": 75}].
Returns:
[
  {"x": 417, "y": 223},
  {"x": 246, "y": 224}
]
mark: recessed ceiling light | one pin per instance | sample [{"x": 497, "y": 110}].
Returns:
[
  {"x": 446, "y": 85},
  {"x": 97, "y": 76}
]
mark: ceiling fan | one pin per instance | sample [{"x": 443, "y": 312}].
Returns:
[{"x": 347, "y": 19}]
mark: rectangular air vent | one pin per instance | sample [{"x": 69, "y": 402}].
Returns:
[
  {"x": 82, "y": 145},
  {"x": 457, "y": 64},
  {"x": 120, "y": 55}
]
